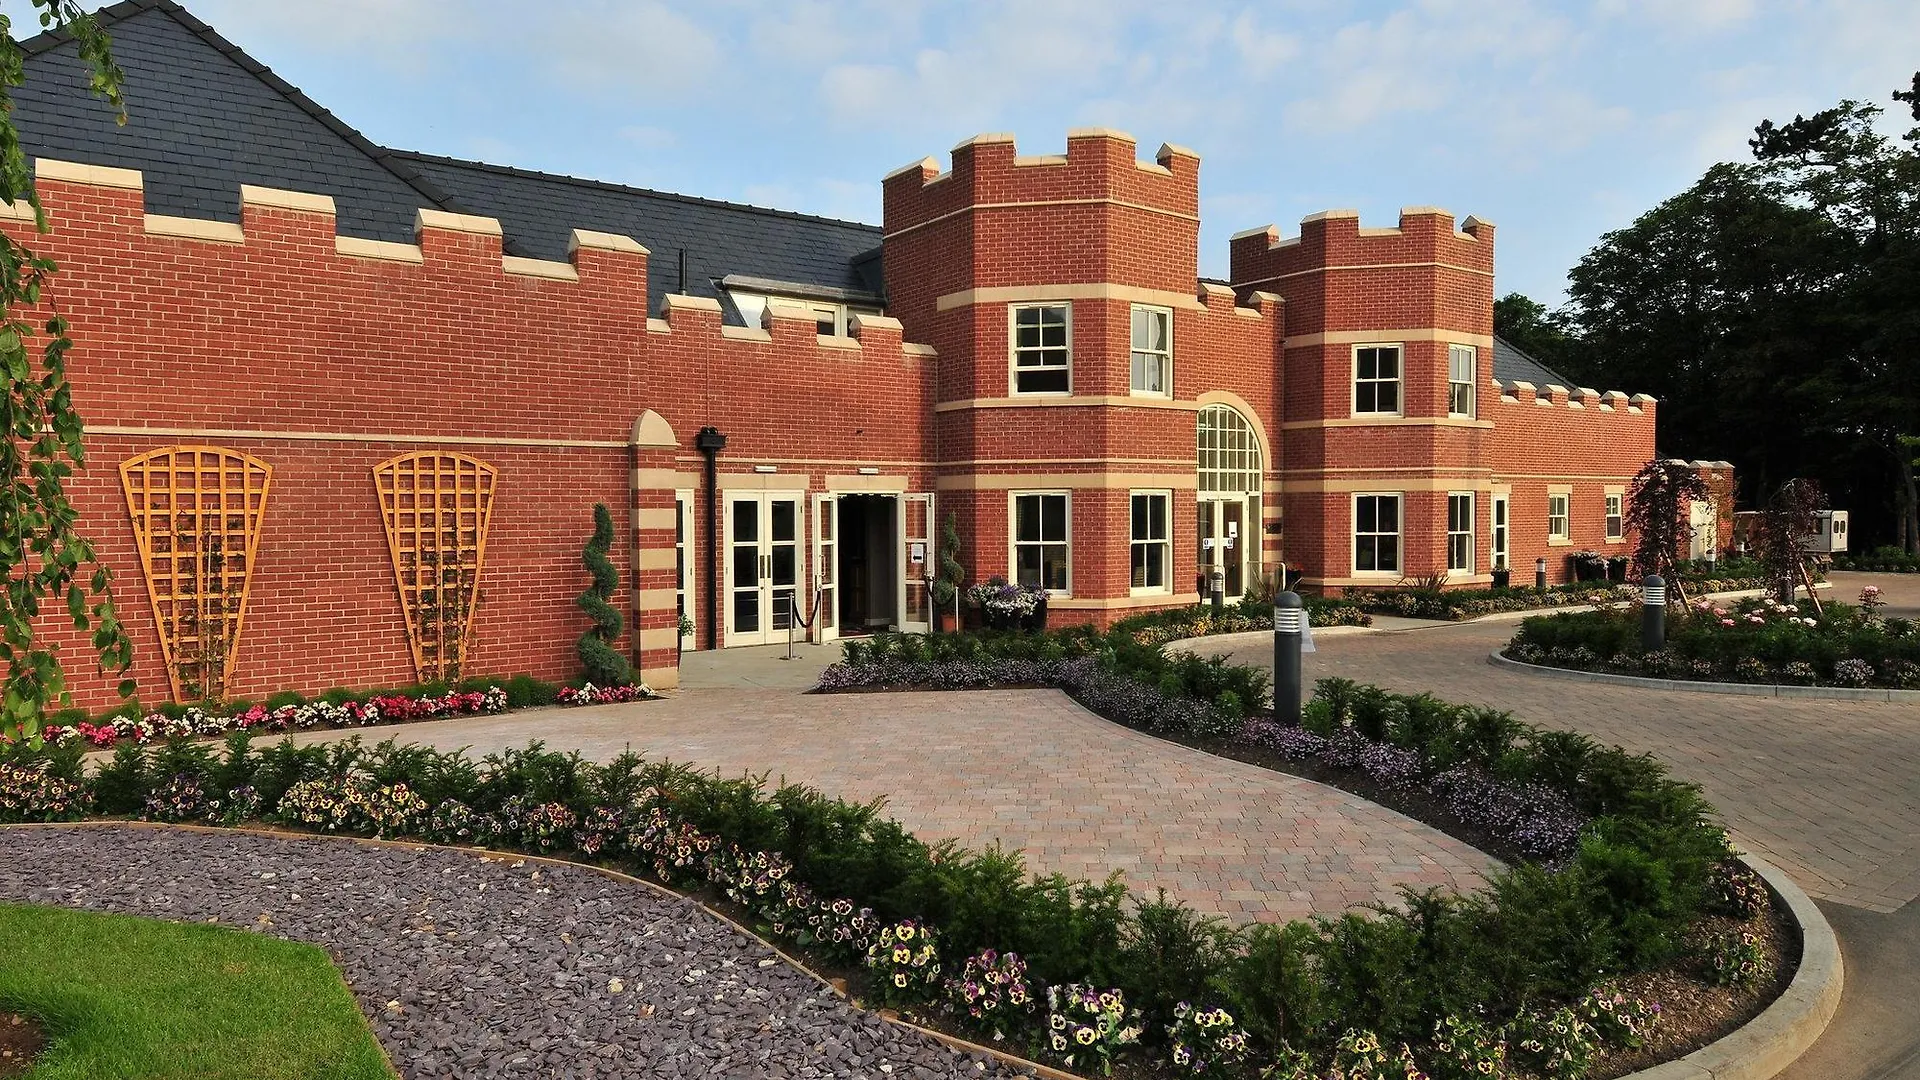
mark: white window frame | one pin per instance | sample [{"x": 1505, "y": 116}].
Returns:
[
  {"x": 685, "y": 596},
  {"x": 1565, "y": 516},
  {"x": 1616, "y": 504},
  {"x": 1135, "y": 353},
  {"x": 1399, "y": 380},
  {"x": 1164, "y": 541},
  {"x": 1014, "y": 543},
  {"x": 1014, "y": 350},
  {"x": 1399, "y": 534},
  {"x": 1459, "y": 389},
  {"x": 1469, "y": 533},
  {"x": 1502, "y": 525}
]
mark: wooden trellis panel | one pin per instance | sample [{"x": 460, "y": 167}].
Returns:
[
  {"x": 196, "y": 519},
  {"x": 436, "y": 507}
]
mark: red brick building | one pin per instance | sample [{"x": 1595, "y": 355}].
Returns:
[{"x": 349, "y": 408}]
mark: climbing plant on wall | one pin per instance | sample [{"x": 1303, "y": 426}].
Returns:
[
  {"x": 436, "y": 508},
  {"x": 43, "y": 556},
  {"x": 603, "y": 663},
  {"x": 197, "y": 512}
]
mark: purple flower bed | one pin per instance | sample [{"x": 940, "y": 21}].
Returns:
[
  {"x": 1104, "y": 691},
  {"x": 1533, "y": 819}
]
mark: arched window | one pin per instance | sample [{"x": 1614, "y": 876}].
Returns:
[{"x": 1229, "y": 452}]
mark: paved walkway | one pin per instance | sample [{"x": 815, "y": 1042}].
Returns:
[
  {"x": 1827, "y": 790},
  {"x": 1032, "y": 770}
]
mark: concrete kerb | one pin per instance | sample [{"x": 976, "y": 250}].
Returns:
[
  {"x": 1826, "y": 693},
  {"x": 1776, "y": 1038}
]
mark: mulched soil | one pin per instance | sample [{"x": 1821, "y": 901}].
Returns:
[
  {"x": 1695, "y": 1013},
  {"x": 472, "y": 967},
  {"x": 20, "y": 1043}
]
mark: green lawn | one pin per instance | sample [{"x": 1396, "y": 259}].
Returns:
[{"x": 137, "y": 998}]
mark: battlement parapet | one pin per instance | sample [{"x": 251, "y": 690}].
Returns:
[
  {"x": 1100, "y": 166},
  {"x": 1424, "y": 236},
  {"x": 293, "y": 221},
  {"x": 687, "y": 321}
]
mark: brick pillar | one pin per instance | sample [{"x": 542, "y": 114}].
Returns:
[{"x": 656, "y": 624}]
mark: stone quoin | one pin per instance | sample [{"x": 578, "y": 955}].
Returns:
[{"x": 1024, "y": 343}]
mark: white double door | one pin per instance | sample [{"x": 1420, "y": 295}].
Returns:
[
  {"x": 1225, "y": 540},
  {"x": 764, "y": 564}
]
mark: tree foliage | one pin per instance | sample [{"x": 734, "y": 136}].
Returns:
[
  {"x": 43, "y": 556},
  {"x": 1780, "y": 536},
  {"x": 604, "y": 664},
  {"x": 1771, "y": 308},
  {"x": 1532, "y": 326},
  {"x": 1658, "y": 504}
]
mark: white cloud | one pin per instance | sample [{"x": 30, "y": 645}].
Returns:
[
  {"x": 1684, "y": 15},
  {"x": 645, "y": 46}
]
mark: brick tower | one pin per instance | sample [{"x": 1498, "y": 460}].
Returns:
[
  {"x": 1039, "y": 280},
  {"x": 1382, "y": 323}
]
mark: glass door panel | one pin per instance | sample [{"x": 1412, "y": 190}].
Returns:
[
  {"x": 826, "y": 546},
  {"x": 783, "y": 559},
  {"x": 916, "y": 513},
  {"x": 745, "y": 624},
  {"x": 1234, "y": 541}
]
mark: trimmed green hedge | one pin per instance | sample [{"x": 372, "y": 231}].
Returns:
[
  {"x": 1843, "y": 648},
  {"x": 1884, "y": 560}
]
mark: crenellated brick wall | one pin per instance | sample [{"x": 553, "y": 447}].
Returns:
[{"x": 325, "y": 354}]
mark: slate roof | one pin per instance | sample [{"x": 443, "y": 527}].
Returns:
[
  {"x": 1511, "y": 363},
  {"x": 203, "y": 118},
  {"x": 719, "y": 238}
]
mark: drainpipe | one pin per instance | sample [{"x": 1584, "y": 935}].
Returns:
[{"x": 710, "y": 442}]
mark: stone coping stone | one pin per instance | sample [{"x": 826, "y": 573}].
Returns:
[{"x": 1828, "y": 693}]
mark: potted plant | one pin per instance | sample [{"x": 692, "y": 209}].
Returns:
[
  {"x": 1502, "y": 576},
  {"x": 1006, "y": 606},
  {"x": 944, "y": 587}
]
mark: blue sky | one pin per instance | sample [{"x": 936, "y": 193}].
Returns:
[{"x": 1556, "y": 121}]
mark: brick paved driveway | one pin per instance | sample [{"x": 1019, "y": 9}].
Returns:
[
  {"x": 1031, "y": 770},
  {"x": 1827, "y": 790}
]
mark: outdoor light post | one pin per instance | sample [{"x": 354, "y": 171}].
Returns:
[
  {"x": 1218, "y": 586},
  {"x": 1540, "y": 573},
  {"x": 1289, "y": 623},
  {"x": 1653, "y": 613}
]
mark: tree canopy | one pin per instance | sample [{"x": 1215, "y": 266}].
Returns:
[{"x": 1774, "y": 309}]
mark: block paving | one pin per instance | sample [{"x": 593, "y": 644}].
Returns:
[{"x": 1032, "y": 770}]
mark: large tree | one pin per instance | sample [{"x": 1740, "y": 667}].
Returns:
[
  {"x": 43, "y": 555},
  {"x": 1535, "y": 328},
  {"x": 1771, "y": 308}
]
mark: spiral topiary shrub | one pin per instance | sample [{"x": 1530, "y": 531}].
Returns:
[{"x": 604, "y": 664}]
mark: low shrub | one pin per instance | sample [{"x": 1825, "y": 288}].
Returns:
[{"x": 1754, "y": 640}]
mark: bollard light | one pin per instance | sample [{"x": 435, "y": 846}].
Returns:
[
  {"x": 1540, "y": 573},
  {"x": 1219, "y": 589},
  {"x": 1653, "y": 613},
  {"x": 1289, "y": 624}
]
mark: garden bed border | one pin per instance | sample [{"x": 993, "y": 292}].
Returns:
[
  {"x": 1773, "y": 690},
  {"x": 1756, "y": 1050}
]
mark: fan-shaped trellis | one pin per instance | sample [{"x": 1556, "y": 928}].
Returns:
[
  {"x": 196, "y": 519},
  {"x": 436, "y": 507}
]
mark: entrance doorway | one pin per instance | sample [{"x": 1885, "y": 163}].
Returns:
[
  {"x": 867, "y": 567},
  {"x": 763, "y": 564},
  {"x": 1224, "y": 543}
]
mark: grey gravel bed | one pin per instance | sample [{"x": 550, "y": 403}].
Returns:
[{"x": 470, "y": 967}]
